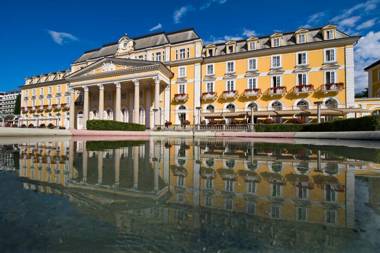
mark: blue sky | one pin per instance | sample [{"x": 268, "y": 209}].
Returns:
[{"x": 42, "y": 36}]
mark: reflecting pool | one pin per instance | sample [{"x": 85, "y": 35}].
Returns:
[{"x": 189, "y": 195}]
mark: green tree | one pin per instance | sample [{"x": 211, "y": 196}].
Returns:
[{"x": 17, "y": 105}]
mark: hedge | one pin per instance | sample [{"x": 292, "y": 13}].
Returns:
[
  {"x": 368, "y": 123},
  {"x": 110, "y": 125}
]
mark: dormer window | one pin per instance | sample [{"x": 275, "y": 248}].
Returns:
[
  {"x": 276, "y": 42},
  {"x": 301, "y": 38},
  {"x": 329, "y": 34},
  {"x": 230, "y": 49},
  {"x": 210, "y": 52},
  {"x": 252, "y": 45}
]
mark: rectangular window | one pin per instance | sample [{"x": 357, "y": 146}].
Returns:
[
  {"x": 330, "y": 77},
  {"x": 302, "y": 192},
  {"x": 251, "y": 187},
  {"x": 329, "y": 34},
  {"x": 301, "y": 58},
  {"x": 158, "y": 56},
  {"x": 301, "y": 213},
  {"x": 182, "y": 54},
  {"x": 252, "y": 45},
  {"x": 210, "y": 52},
  {"x": 330, "y": 55},
  {"x": 176, "y": 54},
  {"x": 68, "y": 100},
  {"x": 276, "y": 42},
  {"x": 228, "y": 204},
  {"x": 49, "y": 90},
  {"x": 210, "y": 86},
  {"x": 188, "y": 53},
  {"x": 276, "y": 81},
  {"x": 230, "y": 67},
  {"x": 41, "y": 91},
  {"x": 301, "y": 38},
  {"x": 230, "y": 85},
  {"x": 276, "y": 190},
  {"x": 141, "y": 57},
  {"x": 229, "y": 185},
  {"x": 301, "y": 79},
  {"x": 180, "y": 180},
  {"x": 181, "y": 88},
  {"x": 210, "y": 69},
  {"x": 252, "y": 83},
  {"x": 208, "y": 201},
  {"x": 252, "y": 64},
  {"x": 330, "y": 216},
  {"x": 182, "y": 72},
  {"x": 59, "y": 88},
  {"x": 276, "y": 61},
  {"x": 330, "y": 194},
  {"x": 251, "y": 208}
]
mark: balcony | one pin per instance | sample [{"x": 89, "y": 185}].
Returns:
[
  {"x": 277, "y": 91},
  {"x": 58, "y": 94},
  {"x": 65, "y": 106},
  {"x": 49, "y": 108},
  {"x": 209, "y": 96},
  {"x": 303, "y": 89},
  {"x": 181, "y": 98},
  {"x": 24, "y": 109},
  {"x": 57, "y": 107},
  {"x": 229, "y": 94},
  {"x": 252, "y": 93},
  {"x": 332, "y": 87}
]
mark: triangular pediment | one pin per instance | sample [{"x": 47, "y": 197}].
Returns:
[{"x": 109, "y": 65}]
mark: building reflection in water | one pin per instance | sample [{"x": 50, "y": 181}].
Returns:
[{"x": 282, "y": 194}]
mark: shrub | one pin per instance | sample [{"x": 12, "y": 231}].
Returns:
[
  {"x": 278, "y": 127},
  {"x": 23, "y": 126},
  {"x": 110, "y": 125},
  {"x": 51, "y": 126},
  {"x": 368, "y": 123}
]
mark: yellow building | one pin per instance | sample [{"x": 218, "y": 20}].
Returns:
[
  {"x": 373, "y": 79},
  {"x": 175, "y": 77}
]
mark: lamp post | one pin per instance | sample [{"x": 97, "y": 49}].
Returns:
[
  {"x": 318, "y": 104},
  {"x": 154, "y": 117},
  {"x": 199, "y": 116},
  {"x": 252, "y": 120}
]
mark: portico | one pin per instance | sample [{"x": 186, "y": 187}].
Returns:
[{"x": 120, "y": 89}]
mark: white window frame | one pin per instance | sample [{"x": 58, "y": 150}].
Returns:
[
  {"x": 299, "y": 38},
  {"x": 325, "y": 76},
  {"x": 41, "y": 91},
  {"x": 306, "y": 213},
  {"x": 272, "y": 61},
  {"x": 274, "y": 40},
  {"x": 227, "y": 84},
  {"x": 184, "y": 87},
  {"x": 306, "y": 58},
  {"x": 249, "y": 64},
  {"x": 180, "y": 53},
  {"x": 272, "y": 83},
  {"x": 248, "y": 81},
  {"x": 325, "y": 55},
  {"x": 233, "y": 64},
  {"x": 212, "y": 84},
  {"x": 332, "y": 34},
  {"x": 213, "y": 69},
  {"x": 306, "y": 80},
  {"x": 250, "y": 45},
  {"x": 179, "y": 71},
  {"x": 49, "y": 90}
]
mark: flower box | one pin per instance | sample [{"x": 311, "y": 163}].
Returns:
[
  {"x": 277, "y": 91},
  {"x": 181, "y": 98},
  {"x": 208, "y": 96},
  {"x": 303, "y": 89},
  {"x": 332, "y": 87},
  {"x": 249, "y": 93},
  {"x": 229, "y": 94}
]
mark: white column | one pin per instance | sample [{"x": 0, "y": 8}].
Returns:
[
  {"x": 101, "y": 101},
  {"x": 157, "y": 101},
  {"x": 72, "y": 109},
  {"x": 148, "y": 121},
  {"x": 167, "y": 102},
  {"x": 350, "y": 78},
  {"x": 117, "y": 166},
  {"x": 135, "y": 155},
  {"x": 84, "y": 162},
  {"x": 118, "y": 102},
  {"x": 85, "y": 107},
  {"x": 136, "y": 107},
  {"x": 197, "y": 91}
]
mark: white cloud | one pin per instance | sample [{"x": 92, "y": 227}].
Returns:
[
  {"x": 367, "y": 51},
  {"x": 314, "y": 19},
  {"x": 248, "y": 32},
  {"x": 178, "y": 14},
  {"x": 208, "y": 3},
  {"x": 156, "y": 27},
  {"x": 61, "y": 37},
  {"x": 362, "y": 7},
  {"x": 349, "y": 22},
  {"x": 367, "y": 24}
]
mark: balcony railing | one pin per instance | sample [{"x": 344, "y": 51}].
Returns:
[
  {"x": 303, "y": 88},
  {"x": 332, "y": 87},
  {"x": 277, "y": 91},
  {"x": 252, "y": 93},
  {"x": 229, "y": 94},
  {"x": 208, "y": 96},
  {"x": 181, "y": 98}
]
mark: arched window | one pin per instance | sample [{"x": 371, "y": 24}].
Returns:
[
  {"x": 210, "y": 108},
  {"x": 276, "y": 105},
  {"x": 331, "y": 103},
  {"x": 252, "y": 105},
  {"x": 230, "y": 163},
  {"x": 182, "y": 107},
  {"x": 230, "y": 108},
  {"x": 303, "y": 105}
]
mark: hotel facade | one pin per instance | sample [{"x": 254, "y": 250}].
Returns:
[{"x": 177, "y": 78}]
